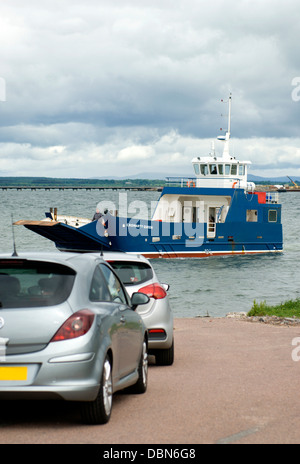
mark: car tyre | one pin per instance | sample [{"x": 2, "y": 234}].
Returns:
[
  {"x": 165, "y": 357},
  {"x": 141, "y": 385},
  {"x": 99, "y": 410}
]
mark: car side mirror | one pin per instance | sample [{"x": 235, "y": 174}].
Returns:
[{"x": 138, "y": 298}]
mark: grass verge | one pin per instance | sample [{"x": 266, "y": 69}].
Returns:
[{"x": 290, "y": 308}]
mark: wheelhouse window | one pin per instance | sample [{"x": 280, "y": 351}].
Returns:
[
  {"x": 213, "y": 169},
  {"x": 241, "y": 170},
  {"x": 220, "y": 167},
  {"x": 204, "y": 169},
  {"x": 197, "y": 169},
  {"x": 227, "y": 169},
  {"x": 234, "y": 170},
  {"x": 272, "y": 215}
]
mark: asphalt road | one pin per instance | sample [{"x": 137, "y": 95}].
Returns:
[{"x": 232, "y": 382}]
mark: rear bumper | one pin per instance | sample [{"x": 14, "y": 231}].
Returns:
[
  {"x": 68, "y": 370},
  {"x": 159, "y": 317},
  {"x": 68, "y": 393}
]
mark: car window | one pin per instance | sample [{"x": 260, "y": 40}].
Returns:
[
  {"x": 99, "y": 289},
  {"x": 114, "y": 285},
  {"x": 132, "y": 273},
  {"x": 28, "y": 284}
]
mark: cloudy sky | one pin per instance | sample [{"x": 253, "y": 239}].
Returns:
[{"x": 113, "y": 88}]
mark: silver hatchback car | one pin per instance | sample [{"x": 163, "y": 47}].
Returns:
[
  {"x": 69, "y": 330},
  {"x": 138, "y": 275}
]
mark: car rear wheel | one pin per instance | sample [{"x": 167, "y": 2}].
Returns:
[
  {"x": 141, "y": 385},
  {"x": 99, "y": 410},
  {"x": 165, "y": 357}
]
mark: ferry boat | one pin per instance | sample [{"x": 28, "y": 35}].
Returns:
[{"x": 215, "y": 212}]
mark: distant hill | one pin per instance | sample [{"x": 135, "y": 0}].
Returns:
[
  {"x": 272, "y": 180},
  {"x": 148, "y": 175},
  {"x": 161, "y": 176},
  {"x": 42, "y": 182},
  {"x": 153, "y": 178}
]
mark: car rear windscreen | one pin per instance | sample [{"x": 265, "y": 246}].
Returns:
[
  {"x": 131, "y": 273},
  {"x": 26, "y": 283}
]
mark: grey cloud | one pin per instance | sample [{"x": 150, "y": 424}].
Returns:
[{"x": 126, "y": 74}]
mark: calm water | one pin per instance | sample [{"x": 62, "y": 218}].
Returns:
[{"x": 198, "y": 287}]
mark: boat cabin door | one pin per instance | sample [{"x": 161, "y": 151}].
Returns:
[
  {"x": 189, "y": 213},
  {"x": 211, "y": 222}
]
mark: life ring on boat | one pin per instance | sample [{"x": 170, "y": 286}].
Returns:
[
  {"x": 234, "y": 184},
  {"x": 191, "y": 183}
]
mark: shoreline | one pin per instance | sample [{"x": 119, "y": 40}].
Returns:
[
  {"x": 242, "y": 316},
  {"x": 274, "y": 320}
]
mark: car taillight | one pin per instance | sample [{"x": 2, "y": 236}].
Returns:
[
  {"x": 78, "y": 324},
  {"x": 155, "y": 291},
  {"x": 157, "y": 334}
]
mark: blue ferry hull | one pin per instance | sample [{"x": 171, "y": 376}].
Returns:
[{"x": 158, "y": 239}]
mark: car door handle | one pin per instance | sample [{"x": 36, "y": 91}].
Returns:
[{"x": 123, "y": 319}]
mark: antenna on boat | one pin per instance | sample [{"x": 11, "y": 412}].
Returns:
[
  {"x": 213, "y": 151},
  {"x": 226, "y": 137},
  {"x": 229, "y": 115},
  {"x": 13, "y": 236}
]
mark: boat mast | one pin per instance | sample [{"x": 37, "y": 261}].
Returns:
[
  {"x": 229, "y": 116},
  {"x": 227, "y": 136}
]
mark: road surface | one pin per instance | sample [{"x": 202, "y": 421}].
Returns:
[{"x": 232, "y": 382}]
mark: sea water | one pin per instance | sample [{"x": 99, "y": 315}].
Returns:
[{"x": 210, "y": 286}]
